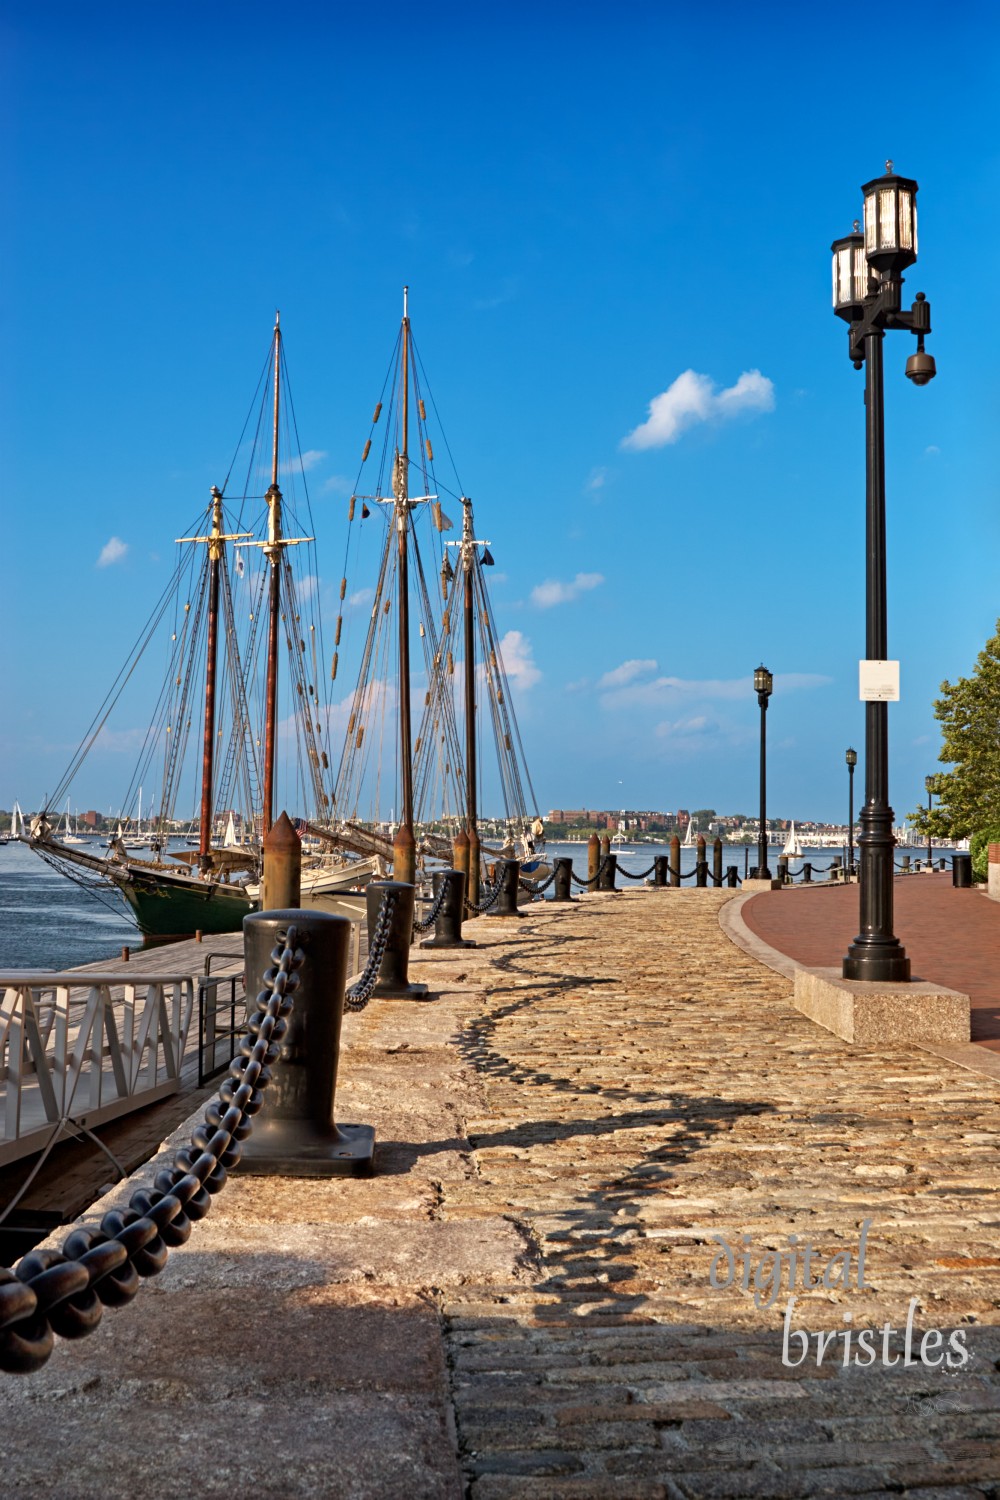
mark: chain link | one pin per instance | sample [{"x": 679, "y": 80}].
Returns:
[
  {"x": 359, "y": 994},
  {"x": 536, "y": 887},
  {"x": 594, "y": 878},
  {"x": 491, "y": 898},
  {"x": 422, "y": 924},
  {"x": 65, "y": 1292},
  {"x": 644, "y": 876}
]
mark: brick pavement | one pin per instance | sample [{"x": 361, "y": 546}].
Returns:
[
  {"x": 951, "y": 936},
  {"x": 518, "y": 1306}
]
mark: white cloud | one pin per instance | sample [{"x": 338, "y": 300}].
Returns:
[
  {"x": 932, "y": 450},
  {"x": 693, "y": 398},
  {"x": 596, "y": 480},
  {"x": 335, "y": 485},
  {"x": 518, "y": 661},
  {"x": 309, "y": 459},
  {"x": 627, "y": 672},
  {"x": 112, "y": 552},
  {"x": 660, "y": 691},
  {"x": 551, "y": 592},
  {"x": 358, "y": 600}
]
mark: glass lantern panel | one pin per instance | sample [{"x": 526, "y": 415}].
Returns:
[
  {"x": 860, "y": 274},
  {"x": 836, "y": 278},
  {"x": 887, "y": 219},
  {"x": 842, "y": 291},
  {"x": 914, "y": 212},
  {"x": 871, "y": 224},
  {"x": 905, "y": 221}
]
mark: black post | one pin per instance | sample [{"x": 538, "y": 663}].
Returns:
[
  {"x": 394, "y": 971},
  {"x": 506, "y": 903},
  {"x": 876, "y": 953},
  {"x": 852, "y": 760},
  {"x": 930, "y": 799},
  {"x": 717, "y": 862},
  {"x": 763, "y": 682},
  {"x": 660, "y": 866},
  {"x": 448, "y": 923},
  {"x": 564, "y": 871}
]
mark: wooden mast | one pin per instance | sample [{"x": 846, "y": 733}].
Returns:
[
  {"x": 404, "y": 862},
  {"x": 472, "y": 810},
  {"x": 272, "y": 552},
  {"x": 215, "y": 540}
]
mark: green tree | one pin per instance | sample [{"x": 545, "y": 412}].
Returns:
[{"x": 969, "y": 714}]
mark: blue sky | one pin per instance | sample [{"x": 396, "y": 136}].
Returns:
[{"x": 594, "y": 208}]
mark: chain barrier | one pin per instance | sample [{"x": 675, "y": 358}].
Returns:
[
  {"x": 537, "y": 887},
  {"x": 594, "y": 878},
  {"x": 65, "y": 1292},
  {"x": 644, "y": 876},
  {"x": 421, "y": 924},
  {"x": 357, "y": 996},
  {"x": 491, "y": 898}
]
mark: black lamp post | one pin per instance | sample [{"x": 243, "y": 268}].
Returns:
[
  {"x": 764, "y": 685},
  {"x": 852, "y": 760},
  {"x": 929, "y": 784},
  {"x": 867, "y": 294}
]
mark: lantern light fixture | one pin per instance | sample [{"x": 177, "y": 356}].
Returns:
[{"x": 890, "y": 222}]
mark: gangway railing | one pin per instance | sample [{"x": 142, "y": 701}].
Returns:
[{"x": 85, "y": 1048}]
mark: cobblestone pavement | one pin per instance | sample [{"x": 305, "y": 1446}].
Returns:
[
  {"x": 518, "y": 1306},
  {"x": 648, "y": 1086}
]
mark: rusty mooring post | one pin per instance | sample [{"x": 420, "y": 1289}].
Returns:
[
  {"x": 660, "y": 866},
  {"x": 472, "y": 885},
  {"x": 717, "y": 862},
  {"x": 393, "y": 981},
  {"x": 294, "y": 1134},
  {"x": 675, "y": 860},
  {"x": 448, "y": 922},
  {"x": 701, "y": 863},
  {"x": 506, "y": 903},
  {"x": 593, "y": 861},
  {"x": 563, "y": 876},
  {"x": 605, "y": 845},
  {"x": 281, "y": 885},
  {"x": 460, "y": 853}
]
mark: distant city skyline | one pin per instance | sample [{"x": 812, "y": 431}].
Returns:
[{"x": 616, "y": 232}]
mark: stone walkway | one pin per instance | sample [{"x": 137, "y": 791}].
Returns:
[{"x": 518, "y": 1306}]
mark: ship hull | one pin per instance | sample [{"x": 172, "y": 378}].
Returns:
[{"x": 165, "y": 909}]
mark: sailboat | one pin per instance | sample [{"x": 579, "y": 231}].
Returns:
[
  {"x": 792, "y": 849},
  {"x": 68, "y": 833},
  {"x": 688, "y": 840},
  {"x": 223, "y": 669}
]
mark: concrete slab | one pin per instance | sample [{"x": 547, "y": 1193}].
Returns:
[{"x": 882, "y": 1014}]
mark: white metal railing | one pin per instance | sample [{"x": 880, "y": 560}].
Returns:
[{"x": 85, "y": 1048}]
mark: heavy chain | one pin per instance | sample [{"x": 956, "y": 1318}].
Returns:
[
  {"x": 594, "y": 878},
  {"x": 422, "y": 924},
  {"x": 644, "y": 876},
  {"x": 359, "y": 994},
  {"x": 491, "y": 898},
  {"x": 536, "y": 887},
  {"x": 51, "y": 1292}
]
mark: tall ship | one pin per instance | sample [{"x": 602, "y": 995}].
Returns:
[{"x": 242, "y": 693}]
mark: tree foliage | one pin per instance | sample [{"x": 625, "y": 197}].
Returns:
[{"x": 969, "y": 714}]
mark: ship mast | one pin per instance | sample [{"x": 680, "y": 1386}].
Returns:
[
  {"x": 404, "y": 843},
  {"x": 273, "y": 549},
  {"x": 472, "y": 811},
  {"x": 214, "y": 540}
]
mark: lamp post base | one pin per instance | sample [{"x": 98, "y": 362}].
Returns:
[{"x": 882, "y": 963}]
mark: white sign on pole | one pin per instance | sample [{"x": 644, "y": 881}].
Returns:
[{"x": 878, "y": 681}]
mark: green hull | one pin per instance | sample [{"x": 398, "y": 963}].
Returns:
[{"x": 166, "y": 908}]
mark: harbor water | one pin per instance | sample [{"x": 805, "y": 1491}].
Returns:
[{"x": 48, "y": 921}]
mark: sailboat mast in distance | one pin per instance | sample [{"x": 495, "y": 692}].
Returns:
[
  {"x": 404, "y": 862},
  {"x": 273, "y": 554}
]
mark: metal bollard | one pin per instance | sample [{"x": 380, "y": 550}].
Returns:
[
  {"x": 942, "y": 865},
  {"x": 717, "y": 862},
  {"x": 506, "y": 903},
  {"x": 732, "y": 876},
  {"x": 294, "y": 1134},
  {"x": 675, "y": 860},
  {"x": 661, "y": 864},
  {"x": 807, "y": 873},
  {"x": 961, "y": 871},
  {"x": 917, "y": 866},
  {"x": 393, "y": 981},
  {"x": 701, "y": 863},
  {"x": 561, "y": 884},
  {"x": 448, "y": 922},
  {"x": 906, "y": 864},
  {"x": 607, "y": 880},
  {"x": 783, "y": 868}
]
